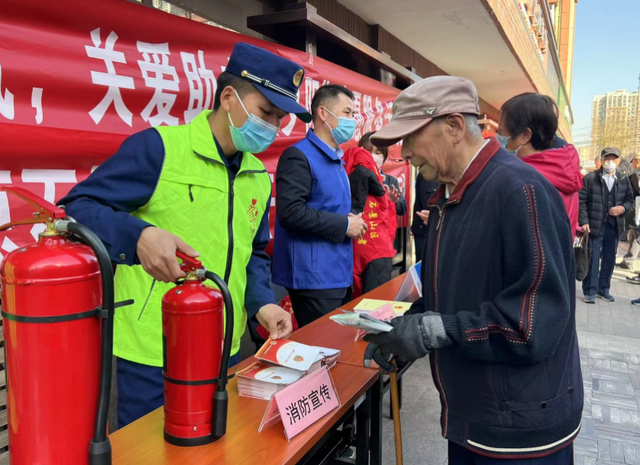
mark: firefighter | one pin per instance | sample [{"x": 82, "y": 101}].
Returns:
[{"x": 199, "y": 189}]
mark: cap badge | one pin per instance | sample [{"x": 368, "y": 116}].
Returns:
[
  {"x": 297, "y": 78},
  {"x": 431, "y": 111}
]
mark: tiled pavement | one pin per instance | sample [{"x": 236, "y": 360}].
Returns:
[{"x": 609, "y": 338}]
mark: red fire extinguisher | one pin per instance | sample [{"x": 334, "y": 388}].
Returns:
[
  {"x": 57, "y": 307},
  {"x": 196, "y": 356}
]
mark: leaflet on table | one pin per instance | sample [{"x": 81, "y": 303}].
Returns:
[
  {"x": 369, "y": 305},
  {"x": 262, "y": 380},
  {"x": 289, "y": 354}
]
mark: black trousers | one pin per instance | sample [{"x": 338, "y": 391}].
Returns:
[
  {"x": 376, "y": 273},
  {"x": 309, "y": 305},
  {"x": 459, "y": 455},
  {"x": 603, "y": 260}
]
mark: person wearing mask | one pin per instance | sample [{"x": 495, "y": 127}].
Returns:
[
  {"x": 604, "y": 199},
  {"x": 498, "y": 308},
  {"x": 380, "y": 155},
  {"x": 314, "y": 230},
  {"x": 528, "y": 128},
  {"x": 424, "y": 190},
  {"x": 188, "y": 188},
  {"x": 373, "y": 253}
]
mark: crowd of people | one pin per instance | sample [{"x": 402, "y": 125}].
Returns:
[{"x": 494, "y": 223}]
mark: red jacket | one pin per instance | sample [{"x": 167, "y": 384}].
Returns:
[
  {"x": 561, "y": 167},
  {"x": 378, "y": 240}
]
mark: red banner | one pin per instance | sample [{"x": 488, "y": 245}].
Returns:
[{"x": 77, "y": 77}]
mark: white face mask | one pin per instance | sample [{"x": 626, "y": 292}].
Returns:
[
  {"x": 379, "y": 159},
  {"x": 609, "y": 166}
]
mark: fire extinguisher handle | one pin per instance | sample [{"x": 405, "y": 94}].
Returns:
[
  {"x": 188, "y": 263},
  {"x": 43, "y": 211}
]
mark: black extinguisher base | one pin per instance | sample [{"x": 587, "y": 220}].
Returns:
[
  {"x": 100, "y": 452},
  {"x": 189, "y": 442}
]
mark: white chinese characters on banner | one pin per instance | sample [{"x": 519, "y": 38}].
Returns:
[
  {"x": 7, "y": 244},
  {"x": 110, "y": 78},
  {"x": 7, "y": 108},
  {"x": 36, "y": 103},
  {"x": 154, "y": 66},
  {"x": 5, "y": 212},
  {"x": 200, "y": 97}
]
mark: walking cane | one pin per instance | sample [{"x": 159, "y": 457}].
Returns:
[{"x": 395, "y": 408}]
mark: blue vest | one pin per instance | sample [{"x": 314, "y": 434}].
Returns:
[{"x": 304, "y": 261}]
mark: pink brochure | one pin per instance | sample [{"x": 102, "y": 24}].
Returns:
[{"x": 384, "y": 313}]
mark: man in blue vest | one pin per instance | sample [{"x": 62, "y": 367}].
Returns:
[
  {"x": 313, "y": 254},
  {"x": 199, "y": 189}
]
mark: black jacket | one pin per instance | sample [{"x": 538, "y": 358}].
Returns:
[
  {"x": 424, "y": 190},
  {"x": 592, "y": 208},
  {"x": 363, "y": 182},
  {"x": 499, "y": 268}
]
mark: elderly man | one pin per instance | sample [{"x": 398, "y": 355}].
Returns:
[
  {"x": 605, "y": 197},
  {"x": 498, "y": 312}
]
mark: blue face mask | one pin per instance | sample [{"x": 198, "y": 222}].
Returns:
[
  {"x": 255, "y": 136},
  {"x": 504, "y": 140},
  {"x": 345, "y": 129}
]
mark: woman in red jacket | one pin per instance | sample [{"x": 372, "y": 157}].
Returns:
[
  {"x": 372, "y": 253},
  {"x": 528, "y": 128}
]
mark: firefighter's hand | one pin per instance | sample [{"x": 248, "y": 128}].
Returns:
[
  {"x": 276, "y": 320},
  {"x": 157, "y": 253}
]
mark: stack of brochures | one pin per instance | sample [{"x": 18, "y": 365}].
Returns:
[{"x": 281, "y": 363}]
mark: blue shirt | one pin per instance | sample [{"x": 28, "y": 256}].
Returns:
[{"x": 126, "y": 182}]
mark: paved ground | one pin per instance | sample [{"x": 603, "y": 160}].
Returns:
[{"x": 609, "y": 338}]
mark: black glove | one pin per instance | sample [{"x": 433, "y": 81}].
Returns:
[{"x": 412, "y": 337}]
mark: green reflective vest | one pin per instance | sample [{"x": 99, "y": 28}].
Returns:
[{"x": 197, "y": 200}]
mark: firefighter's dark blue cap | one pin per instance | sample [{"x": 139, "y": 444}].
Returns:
[{"x": 276, "y": 77}]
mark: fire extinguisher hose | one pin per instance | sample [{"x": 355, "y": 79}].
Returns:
[
  {"x": 221, "y": 396},
  {"x": 100, "y": 447}
]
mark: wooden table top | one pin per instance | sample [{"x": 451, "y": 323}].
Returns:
[{"x": 142, "y": 442}]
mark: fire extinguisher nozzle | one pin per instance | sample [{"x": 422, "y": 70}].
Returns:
[
  {"x": 100, "y": 452},
  {"x": 62, "y": 226}
]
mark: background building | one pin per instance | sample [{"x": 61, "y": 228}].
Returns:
[
  {"x": 615, "y": 121},
  {"x": 586, "y": 156}
]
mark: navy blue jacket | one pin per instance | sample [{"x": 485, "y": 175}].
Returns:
[
  {"x": 311, "y": 250},
  {"x": 126, "y": 182},
  {"x": 499, "y": 268}
]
